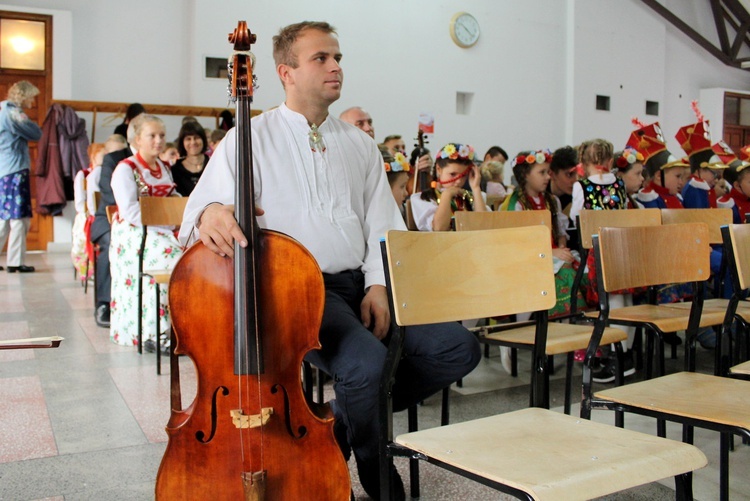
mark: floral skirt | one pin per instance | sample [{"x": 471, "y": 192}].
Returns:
[
  {"x": 78, "y": 252},
  {"x": 564, "y": 279},
  {"x": 161, "y": 252},
  {"x": 15, "y": 195}
]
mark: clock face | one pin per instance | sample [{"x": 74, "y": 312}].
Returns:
[{"x": 464, "y": 29}]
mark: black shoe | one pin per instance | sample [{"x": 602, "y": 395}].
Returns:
[
  {"x": 369, "y": 477},
  {"x": 21, "y": 269},
  {"x": 149, "y": 345},
  {"x": 606, "y": 374},
  {"x": 672, "y": 339},
  {"x": 102, "y": 315}
]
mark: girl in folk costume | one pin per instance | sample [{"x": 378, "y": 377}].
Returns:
[
  {"x": 531, "y": 170},
  {"x": 397, "y": 170},
  {"x": 433, "y": 209},
  {"x": 628, "y": 166},
  {"x": 600, "y": 189},
  {"x": 665, "y": 174},
  {"x": 78, "y": 250},
  {"x": 699, "y": 191},
  {"x": 143, "y": 174},
  {"x": 738, "y": 176}
]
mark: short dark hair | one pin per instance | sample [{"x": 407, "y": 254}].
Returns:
[
  {"x": 563, "y": 158},
  {"x": 191, "y": 129},
  {"x": 495, "y": 151},
  {"x": 133, "y": 111}
]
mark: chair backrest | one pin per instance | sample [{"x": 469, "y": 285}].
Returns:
[
  {"x": 110, "y": 210},
  {"x": 495, "y": 201},
  {"x": 410, "y": 223},
  {"x": 492, "y": 273},
  {"x": 738, "y": 240},
  {"x": 162, "y": 211},
  {"x": 714, "y": 218},
  {"x": 591, "y": 220},
  {"x": 653, "y": 255},
  {"x": 468, "y": 220}
]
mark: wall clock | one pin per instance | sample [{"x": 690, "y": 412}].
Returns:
[{"x": 464, "y": 30}]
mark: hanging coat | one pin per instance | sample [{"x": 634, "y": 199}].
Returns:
[{"x": 62, "y": 153}]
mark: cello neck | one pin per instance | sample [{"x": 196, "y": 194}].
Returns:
[{"x": 248, "y": 350}]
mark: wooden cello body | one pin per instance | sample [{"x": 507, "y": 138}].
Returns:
[
  {"x": 249, "y": 434},
  {"x": 207, "y": 454}
]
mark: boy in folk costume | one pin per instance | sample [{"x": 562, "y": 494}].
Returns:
[
  {"x": 665, "y": 172},
  {"x": 699, "y": 191},
  {"x": 738, "y": 176}
]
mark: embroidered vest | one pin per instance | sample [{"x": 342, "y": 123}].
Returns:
[{"x": 603, "y": 196}]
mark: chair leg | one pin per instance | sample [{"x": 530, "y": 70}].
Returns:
[
  {"x": 638, "y": 348},
  {"x": 486, "y": 350},
  {"x": 445, "y": 413},
  {"x": 307, "y": 380},
  {"x": 175, "y": 392},
  {"x": 514, "y": 362},
  {"x": 413, "y": 462},
  {"x": 724, "y": 466},
  {"x": 158, "y": 331},
  {"x": 619, "y": 381},
  {"x": 319, "y": 382},
  {"x": 86, "y": 278},
  {"x": 684, "y": 487},
  {"x": 649, "y": 355},
  {"x": 568, "y": 381},
  {"x": 660, "y": 349}
]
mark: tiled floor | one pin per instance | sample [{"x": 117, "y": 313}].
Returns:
[{"x": 86, "y": 420}]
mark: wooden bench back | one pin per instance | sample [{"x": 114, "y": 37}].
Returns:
[
  {"x": 470, "y": 221},
  {"x": 162, "y": 211},
  {"x": 653, "y": 255},
  {"x": 739, "y": 240},
  {"x": 410, "y": 223},
  {"x": 714, "y": 218},
  {"x": 591, "y": 220},
  {"x": 495, "y": 272},
  {"x": 110, "y": 210}
]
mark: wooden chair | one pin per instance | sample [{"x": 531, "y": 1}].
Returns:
[
  {"x": 410, "y": 223},
  {"x": 715, "y": 219},
  {"x": 156, "y": 211},
  {"x": 532, "y": 453},
  {"x": 678, "y": 253},
  {"x": 657, "y": 320},
  {"x": 737, "y": 253},
  {"x": 562, "y": 338}
]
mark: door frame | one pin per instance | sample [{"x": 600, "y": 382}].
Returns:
[{"x": 42, "y": 227}]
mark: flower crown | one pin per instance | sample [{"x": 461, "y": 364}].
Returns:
[
  {"x": 538, "y": 157},
  {"x": 399, "y": 164},
  {"x": 455, "y": 151},
  {"x": 629, "y": 156}
]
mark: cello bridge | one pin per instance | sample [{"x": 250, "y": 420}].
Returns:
[{"x": 241, "y": 420}]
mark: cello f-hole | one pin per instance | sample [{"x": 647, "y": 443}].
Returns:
[
  {"x": 200, "y": 434},
  {"x": 302, "y": 430}
]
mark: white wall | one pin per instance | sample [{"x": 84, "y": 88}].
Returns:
[{"x": 534, "y": 73}]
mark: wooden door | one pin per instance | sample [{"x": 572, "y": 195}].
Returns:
[{"x": 41, "y": 231}]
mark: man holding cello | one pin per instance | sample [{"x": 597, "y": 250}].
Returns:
[{"x": 322, "y": 182}]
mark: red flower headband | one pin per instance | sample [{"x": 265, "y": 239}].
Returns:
[{"x": 538, "y": 157}]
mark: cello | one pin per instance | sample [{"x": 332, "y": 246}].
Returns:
[{"x": 247, "y": 324}]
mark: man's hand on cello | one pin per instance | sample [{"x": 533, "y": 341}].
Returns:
[{"x": 219, "y": 229}]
